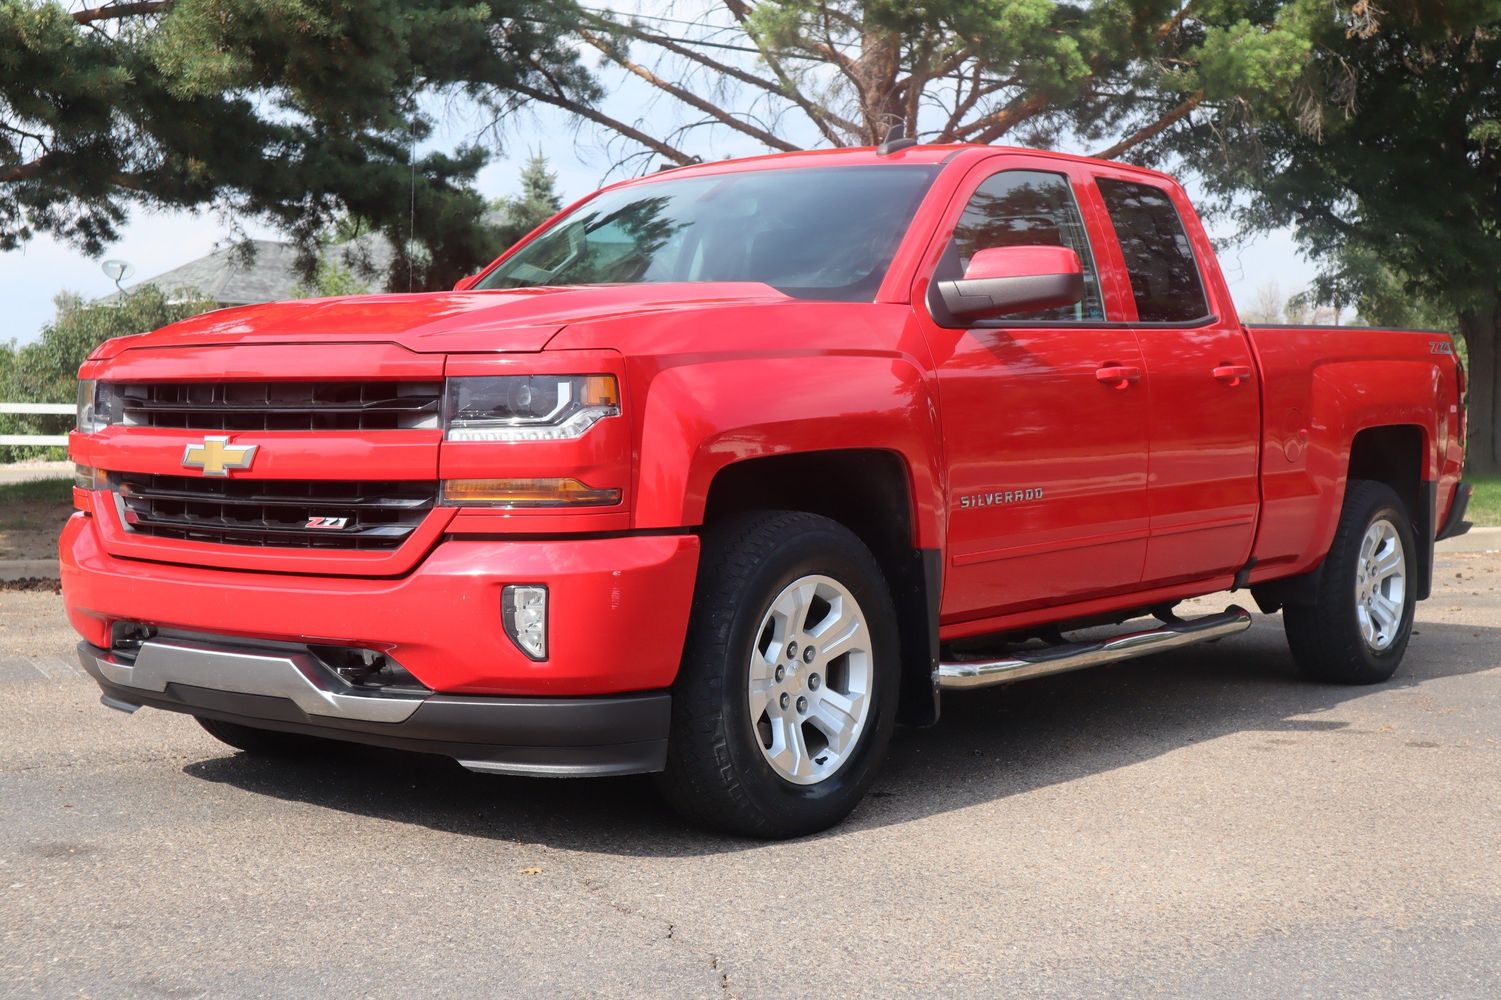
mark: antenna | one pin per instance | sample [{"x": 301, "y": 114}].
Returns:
[
  {"x": 117, "y": 271},
  {"x": 412, "y": 200},
  {"x": 896, "y": 138}
]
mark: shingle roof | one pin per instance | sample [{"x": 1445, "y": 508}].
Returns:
[{"x": 270, "y": 274}]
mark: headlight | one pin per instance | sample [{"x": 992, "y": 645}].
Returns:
[
  {"x": 96, "y": 405},
  {"x": 528, "y": 407}
]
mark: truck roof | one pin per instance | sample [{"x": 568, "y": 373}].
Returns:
[{"x": 868, "y": 156}]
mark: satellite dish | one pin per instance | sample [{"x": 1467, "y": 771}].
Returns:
[{"x": 117, "y": 270}]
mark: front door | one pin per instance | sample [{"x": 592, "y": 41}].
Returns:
[{"x": 1044, "y": 418}]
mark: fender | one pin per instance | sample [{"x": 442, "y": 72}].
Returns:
[
  {"x": 756, "y": 381},
  {"x": 1313, "y": 414}
]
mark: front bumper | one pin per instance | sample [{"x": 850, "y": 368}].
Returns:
[
  {"x": 618, "y": 609},
  {"x": 249, "y": 647},
  {"x": 288, "y": 689}
]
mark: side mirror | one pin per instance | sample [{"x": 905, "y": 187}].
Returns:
[
  {"x": 1004, "y": 280},
  {"x": 466, "y": 282}
]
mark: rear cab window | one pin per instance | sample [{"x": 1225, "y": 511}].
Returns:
[{"x": 1165, "y": 280}]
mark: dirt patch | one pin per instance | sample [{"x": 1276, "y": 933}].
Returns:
[
  {"x": 39, "y": 584},
  {"x": 32, "y": 515}
]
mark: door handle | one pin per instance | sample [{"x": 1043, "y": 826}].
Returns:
[
  {"x": 1233, "y": 374},
  {"x": 1118, "y": 376}
]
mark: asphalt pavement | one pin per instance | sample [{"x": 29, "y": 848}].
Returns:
[{"x": 1200, "y": 824}]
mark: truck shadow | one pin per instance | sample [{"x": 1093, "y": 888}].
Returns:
[{"x": 990, "y": 745}]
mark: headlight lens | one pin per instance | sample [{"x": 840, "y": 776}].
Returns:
[
  {"x": 528, "y": 407},
  {"x": 98, "y": 405},
  {"x": 85, "y": 421}
]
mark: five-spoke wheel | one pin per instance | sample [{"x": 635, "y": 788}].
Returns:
[
  {"x": 786, "y": 698},
  {"x": 1355, "y": 628}
]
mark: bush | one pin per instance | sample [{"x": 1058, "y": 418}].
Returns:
[{"x": 46, "y": 371}]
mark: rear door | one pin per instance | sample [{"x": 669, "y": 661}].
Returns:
[
  {"x": 1205, "y": 417},
  {"x": 1046, "y": 455}
]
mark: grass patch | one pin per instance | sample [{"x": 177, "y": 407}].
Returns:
[
  {"x": 35, "y": 491},
  {"x": 1485, "y": 505},
  {"x": 32, "y": 514}
]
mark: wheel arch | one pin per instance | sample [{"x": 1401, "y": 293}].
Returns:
[
  {"x": 871, "y": 492},
  {"x": 1398, "y": 455}
]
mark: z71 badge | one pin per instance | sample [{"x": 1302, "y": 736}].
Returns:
[
  {"x": 999, "y": 497},
  {"x": 1440, "y": 347},
  {"x": 327, "y": 523}
]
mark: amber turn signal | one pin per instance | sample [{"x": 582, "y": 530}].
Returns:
[{"x": 526, "y": 493}]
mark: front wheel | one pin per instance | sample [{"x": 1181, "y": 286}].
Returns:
[
  {"x": 1357, "y": 627},
  {"x": 786, "y": 698}
]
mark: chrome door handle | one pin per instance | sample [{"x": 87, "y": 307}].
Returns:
[
  {"x": 1233, "y": 374},
  {"x": 1118, "y": 376}
]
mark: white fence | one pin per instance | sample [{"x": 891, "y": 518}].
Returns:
[{"x": 36, "y": 440}]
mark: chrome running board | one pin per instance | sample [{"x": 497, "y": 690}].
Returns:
[{"x": 1077, "y": 656}]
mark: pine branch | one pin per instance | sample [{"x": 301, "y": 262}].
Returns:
[
  {"x": 1177, "y": 20},
  {"x": 116, "y": 11},
  {"x": 991, "y": 127},
  {"x": 1153, "y": 130},
  {"x": 826, "y": 121},
  {"x": 25, "y": 171},
  {"x": 687, "y": 97},
  {"x": 559, "y": 98}
]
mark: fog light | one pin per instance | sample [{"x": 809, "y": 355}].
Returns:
[{"x": 523, "y": 612}]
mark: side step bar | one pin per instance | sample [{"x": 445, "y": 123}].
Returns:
[{"x": 1077, "y": 656}]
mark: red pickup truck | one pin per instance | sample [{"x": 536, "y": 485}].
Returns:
[{"x": 724, "y": 471}]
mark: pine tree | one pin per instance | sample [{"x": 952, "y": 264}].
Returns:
[
  {"x": 292, "y": 112},
  {"x": 537, "y": 202}
]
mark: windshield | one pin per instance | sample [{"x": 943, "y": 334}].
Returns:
[{"x": 816, "y": 232}]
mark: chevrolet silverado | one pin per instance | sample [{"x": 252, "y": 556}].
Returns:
[{"x": 724, "y": 471}]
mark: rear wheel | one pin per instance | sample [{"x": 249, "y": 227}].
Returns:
[
  {"x": 261, "y": 742},
  {"x": 1356, "y": 630},
  {"x": 786, "y": 698}
]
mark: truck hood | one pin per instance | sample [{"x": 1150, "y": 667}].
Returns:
[{"x": 440, "y": 322}]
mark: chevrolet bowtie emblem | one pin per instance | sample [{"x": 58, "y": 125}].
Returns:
[{"x": 216, "y": 456}]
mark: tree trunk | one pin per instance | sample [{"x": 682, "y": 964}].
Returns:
[{"x": 1481, "y": 326}]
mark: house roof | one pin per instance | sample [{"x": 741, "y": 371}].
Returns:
[{"x": 268, "y": 273}]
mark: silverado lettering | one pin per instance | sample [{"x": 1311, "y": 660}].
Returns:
[
  {"x": 991, "y": 499},
  {"x": 673, "y": 485}
]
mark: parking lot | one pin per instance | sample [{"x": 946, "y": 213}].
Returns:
[{"x": 1198, "y": 824}]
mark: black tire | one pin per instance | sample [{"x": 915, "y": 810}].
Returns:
[
  {"x": 1325, "y": 636},
  {"x": 260, "y": 742},
  {"x": 717, "y": 773}
]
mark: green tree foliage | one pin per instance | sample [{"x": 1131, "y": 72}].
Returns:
[
  {"x": 537, "y": 202},
  {"x": 1381, "y": 146},
  {"x": 289, "y": 111},
  {"x": 46, "y": 370},
  {"x": 332, "y": 278}
]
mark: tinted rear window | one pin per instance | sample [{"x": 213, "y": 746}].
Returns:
[{"x": 1164, "y": 278}]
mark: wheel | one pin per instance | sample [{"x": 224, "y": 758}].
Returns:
[
  {"x": 1357, "y": 628},
  {"x": 261, "y": 742},
  {"x": 785, "y": 701}
]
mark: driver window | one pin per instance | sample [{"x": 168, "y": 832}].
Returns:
[{"x": 1025, "y": 208}]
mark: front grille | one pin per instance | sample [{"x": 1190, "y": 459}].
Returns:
[
  {"x": 278, "y": 406},
  {"x": 274, "y": 512}
]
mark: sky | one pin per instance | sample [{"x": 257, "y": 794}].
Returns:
[{"x": 580, "y": 155}]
